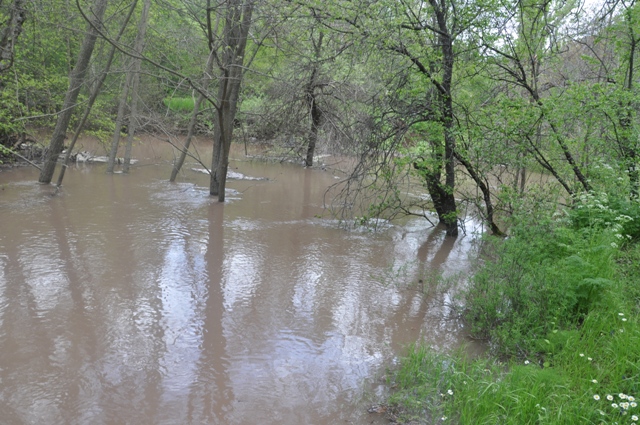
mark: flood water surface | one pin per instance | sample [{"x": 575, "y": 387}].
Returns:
[{"x": 125, "y": 299}]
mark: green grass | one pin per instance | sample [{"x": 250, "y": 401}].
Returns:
[
  {"x": 560, "y": 305},
  {"x": 179, "y": 104},
  {"x": 599, "y": 361}
]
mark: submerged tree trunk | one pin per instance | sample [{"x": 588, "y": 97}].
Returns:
[
  {"x": 76, "y": 79},
  {"x": 312, "y": 101},
  {"x": 122, "y": 106},
  {"x": 316, "y": 121},
  {"x": 236, "y": 29},
  {"x": 177, "y": 165},
  {"x": 192, "y": 122},
  {"x": 93, "y": 97},
  {"x": 445, "y": 194},
  {"x": 442, "y": 193},
  {"x": 486, "y": 194},
  {"x": 138, "y": 47}
]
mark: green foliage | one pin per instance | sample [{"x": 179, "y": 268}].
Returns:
[
  {"x": 179, "y": 104},
  {"x": 11, "y": 109},
  {"x": 589, "y": 373},
  {"x": 599, "y": 211},
  {"x": 545, "y": 276}
]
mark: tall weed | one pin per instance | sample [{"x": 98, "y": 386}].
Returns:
[
  {"x": 544, "y": 277},
  {"x": 561, "y": 305}
]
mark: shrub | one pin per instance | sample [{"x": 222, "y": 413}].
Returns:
[{"x": 542, "y": 278}]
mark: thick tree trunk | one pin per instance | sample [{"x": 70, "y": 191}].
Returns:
[
  {"x": 312, "y": 101},
  {"x": 76, "y": 79},
  {"x": 448, "y": 201},
  {"x": 443, "y": 203},
  {"x": 442, "y": 194}
]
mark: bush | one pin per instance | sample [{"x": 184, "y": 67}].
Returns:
[
  {"x": 602, "y": 211},
  {"x": 543, "y": 278},
  {"x": 590, "y": 372},
  {"x": 180, "y": 104}
]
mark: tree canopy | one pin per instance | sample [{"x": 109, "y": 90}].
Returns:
[{"x": 483, "y": 105}]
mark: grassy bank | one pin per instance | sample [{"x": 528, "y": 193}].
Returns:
[{"x": 559, "y": 303}]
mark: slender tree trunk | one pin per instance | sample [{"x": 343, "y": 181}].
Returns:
[
  {"x": 76, "y": 79},
  {"x": 10, "y": 33},
  {"x": 236, "y": 30},
  {"x": 177, "y": 165},
  {"x": 486, "y": 194},
  {"x": 192, "y": 122},
  {"x": 133, "y": 112},
  {"x": 133, "y": 120},
  {"x": 627, "y": 142},
  {"x": 122, "y": 106},
  {"x": 93, "y": 97}
]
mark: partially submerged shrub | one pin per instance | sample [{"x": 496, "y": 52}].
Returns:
[{"x": 544, "y": 277}]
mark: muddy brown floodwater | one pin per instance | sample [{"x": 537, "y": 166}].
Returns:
[{"x": 125, "y": 299}]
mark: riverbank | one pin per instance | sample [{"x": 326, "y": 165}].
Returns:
[{"x": 559, "y": 303}]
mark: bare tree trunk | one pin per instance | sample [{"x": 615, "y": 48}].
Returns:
[
  {"x": 628, "y": 144},
  {"x": 192, "y": 123},
  {"x": 76, "y": 79},
  {"x": 236, "y": 30},
  {"x": 486, "y": 194},
  {"x": 93, "y": 97},
  {"x": 10, "y": 33},
  {"x": 312, "y": 101},
  {"x": 133, "y": 112},
  {"x": 316, "y": 121},
  {"x": 122, "y": 106}
]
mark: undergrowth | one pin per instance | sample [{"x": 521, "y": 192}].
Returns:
[{"x": 559, "y": 303}]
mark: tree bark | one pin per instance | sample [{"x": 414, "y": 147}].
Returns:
[
  {"x": 94, "y": 95},
  {"x": 486, "y": 193},
  {"x": 10, "y": 33},
  {"x": 442, "y": 194},
  {"x": 312, "y": 101},
  {"x": 133, "y": 111},
  {"x": 76, "y": 79},
  {"x": 122, "y": 106},
  {"x": 446, "y": 193},
  {"x": 236, "y": 30},
  {"x": 192, "y": 122},
  {"x": 627, "y": 142}
]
